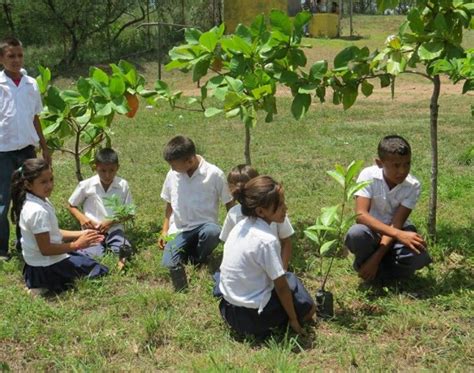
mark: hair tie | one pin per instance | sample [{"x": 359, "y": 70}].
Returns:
[{"x": 20, "y": 170}]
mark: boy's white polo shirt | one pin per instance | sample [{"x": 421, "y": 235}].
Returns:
[
  {"x": 38, "y": 216},
  {"x": 89, "y": 195},
  {"x": 234, "y": 215},
  {"x": 18, "y": 107},
  {"x": 250, "y": 264},
  {"x": 385, "y": 201},
  {"x": 195, "y": 199}
]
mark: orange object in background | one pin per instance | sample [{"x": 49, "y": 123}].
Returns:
[{"x": 133, "y": 103}]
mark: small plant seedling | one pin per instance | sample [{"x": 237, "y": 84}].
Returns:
[
  {"x": 331, "y": 226},
  {"x": 121, "y": 213}
]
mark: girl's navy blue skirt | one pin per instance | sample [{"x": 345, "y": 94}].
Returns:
[
  {"x": 60, "y": 276},
  {"x": 248, "y": 322}
]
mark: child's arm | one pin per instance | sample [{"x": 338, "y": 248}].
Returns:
[
  {"x": 82, "y": 240},
  {"x": 83, "y": 220},
  {"x": 42, "y": 140},
  {"x": 286, "y": 298},
  {"x": 389, "y": 233},
  {"x": 286, "y": 250},
  {"x": 410, "y": 239},
  {"x": 166, "y": 226}
]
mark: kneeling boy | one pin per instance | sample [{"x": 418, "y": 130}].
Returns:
[
  {"x": 384, "y": 242},
  {"x": 89, "y": 196},
  {"x": 192, "y": 190}
]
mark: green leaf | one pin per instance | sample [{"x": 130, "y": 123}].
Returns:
[
  {"x": 232, "y": 113},
  {"x": 300, "y": 105},
  {"x": 349, "y": 96},
  {"x": 385, "y": 80},
  {"x": 258, "y": 25},
  {"x": 200, "y": 69},
  {"x": 468, "y": 86},
  {"x": 99, "y": 75},
  {"x": 342, "y": 58},
  {"x": 327, "y": 247},
  {"x": 116, "y": 86},
  {"x": 367, "y": 88},
  {"x": 71, "y": 97},
  {"x": 355, "y": 188},
  {"x": 311, "y": 235},
  {"x": 430, "y": 50},
  {"x": 296, "y": 57},
  {"x": 244, "y": 33},
  {"x": 337, "y": 176},
  {"x": 208, "y": 40},
  {"x": 321, "y": 227},
  {"x": 211, "y": 111},
  {"x": 415, "y": 21},
  {"x": 83, "y": 87},
  {"x": 329, "y": 215},
  {"x": 280, "y": 21},
  {"x": 440, "y": 23},
  {"x": 192, "y": 35},
  {"x": 162, "y": 88},
  {"x": 300, "y": 20},
  {"x": 318, "y": 70},
  {"x": 54, "y": 101}
]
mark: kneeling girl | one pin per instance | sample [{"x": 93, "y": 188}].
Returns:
[
  {"x": 50, "y": 263},
  {"x": 257, "y": 293}
]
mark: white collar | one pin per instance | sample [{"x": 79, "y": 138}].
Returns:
[{"x": 4, "y": 78}]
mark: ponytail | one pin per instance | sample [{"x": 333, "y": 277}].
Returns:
[
  {"x": 30, "y": 170},
  {"x": 261, "y": 191}
]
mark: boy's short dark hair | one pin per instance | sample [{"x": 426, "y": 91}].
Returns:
[
  {"x": 179, "y": 148},
  {"x": 9, "y": 42},
  {"x": 106, "y": 156},
  {"x": 393, "y": 145}
]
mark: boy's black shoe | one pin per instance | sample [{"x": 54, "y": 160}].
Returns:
[{"x": 178, "y": 278}]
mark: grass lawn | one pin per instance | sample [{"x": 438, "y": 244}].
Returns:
[{"x": 133, "y": 320}]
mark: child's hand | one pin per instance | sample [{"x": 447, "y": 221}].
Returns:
[
  {"x": 295, "y": 325},
  {"x": 88, "y": 238},
  {"x": 88, "y": 224},
  {"x": 162, "y": 240},
  {"x": 368, "y": 270},
  {"x": 412, "y": 240},
  {"x": 104, "y": 226}
]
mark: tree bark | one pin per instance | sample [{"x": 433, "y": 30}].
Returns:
[
  {"x": 7, "y": 9},
  {"x": 434, "y": 106},
  {"x": 247, "y": 146}
]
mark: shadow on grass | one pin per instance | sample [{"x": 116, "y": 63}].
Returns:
[{"x": 455, "y": 239}]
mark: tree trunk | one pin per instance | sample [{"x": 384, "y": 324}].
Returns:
[
  {"x": 247, "y": 146},
  {"x": 434, "y": 157},
  {"x": 7, "y": 9},
  {"x": 77, "y": 157}
]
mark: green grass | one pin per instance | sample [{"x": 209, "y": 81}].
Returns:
[{"x": 133, "y": 320}]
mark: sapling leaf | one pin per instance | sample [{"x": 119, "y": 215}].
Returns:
[
  {"x": 311, "y": 235},
  {"x": 337, "y": 176},
  {"x": 326, "y": 247},
  {"x": 320, "y": 227},
  {"x": 328, "y": 214},
  {"x": 355, "y": 188}
]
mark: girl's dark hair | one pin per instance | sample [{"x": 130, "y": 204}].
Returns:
[
  {"x": 239, "y": 176},
  {"x": 28, "y": 172},
  {"x": 261, "y": 191}
]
